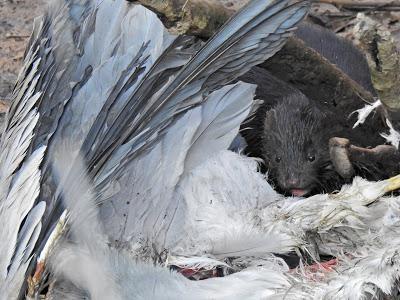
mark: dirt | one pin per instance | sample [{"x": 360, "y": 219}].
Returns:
[
  {"x": 234, "y": 4},
  {"x": 16, "y": 19}
]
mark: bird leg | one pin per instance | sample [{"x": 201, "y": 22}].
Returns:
[
  {"x": 344, "y": 155},
  {"x": 340, "y": 156},
  {"x": 36, "y": 281}
]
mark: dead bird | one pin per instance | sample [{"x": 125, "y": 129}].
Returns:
[
  {"x": 176, "y": 196},
  {"x": 143, "y": 107}
]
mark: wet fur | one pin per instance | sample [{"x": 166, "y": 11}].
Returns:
[
  {"x": 295, "y": 144},
  {"x": 283, "y": 124},
  {"x": 338, "y": 51}
]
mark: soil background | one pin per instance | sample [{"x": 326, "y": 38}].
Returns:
[{"x": 16, "y": 21}]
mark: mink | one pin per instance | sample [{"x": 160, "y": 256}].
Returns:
[
  {"x": 338, "y": 51},
  {"x": 295, "y": 143},
  {"x": 291, "y": 132}
]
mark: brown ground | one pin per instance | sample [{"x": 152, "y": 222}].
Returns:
[{"x": 16, "y": 18}]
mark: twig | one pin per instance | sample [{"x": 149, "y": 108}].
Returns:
[
  {"x": 184, "y": 5},
  {"x": 10, "y": 36},
  {"x": 194, "y": 17},
  {"x": 365, "y": 4}
]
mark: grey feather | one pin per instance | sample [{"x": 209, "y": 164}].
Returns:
[
  {"x": 134, "y": 93},
  {"x": 20, "y": 218},
  {"x": 128, "y": 98}
]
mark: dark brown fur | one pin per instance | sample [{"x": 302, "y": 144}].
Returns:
[
  {"x": 291, "y": 131},
  {"x": 338, "y": 51},
  {"x": 295, "y": 146}
]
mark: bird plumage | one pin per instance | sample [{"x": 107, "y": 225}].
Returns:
[
  {"x": 84, "y": 81},
  {"x": 114, "y": 157},
  {"x": 20, "y": 213}
]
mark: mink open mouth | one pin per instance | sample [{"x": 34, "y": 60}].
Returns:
[{"x": 299, "y": 192}]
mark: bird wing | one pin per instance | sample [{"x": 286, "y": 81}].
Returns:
[
  {"x": 126, "y": 96},
  {"x": 20, "y": 213},
  {"x": 156, "y": 109}
]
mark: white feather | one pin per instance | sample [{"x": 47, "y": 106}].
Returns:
[
  {"x": 393, "y": 137},
  {"x": 363, "y": 113}
]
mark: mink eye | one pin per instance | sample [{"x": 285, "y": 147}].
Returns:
[
  {"x": 278, "y": 159},
  {"x": 311, "y": 158}
]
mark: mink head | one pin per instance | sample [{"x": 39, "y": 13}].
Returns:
[{"x": 295, "y": 146}]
